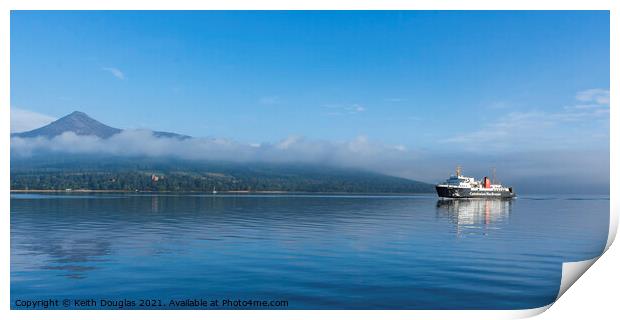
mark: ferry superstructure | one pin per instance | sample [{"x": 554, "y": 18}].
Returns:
[{"x": 459, "y": 186}]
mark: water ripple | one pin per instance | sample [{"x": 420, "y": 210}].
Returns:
[{"x": 317, "y": 251}]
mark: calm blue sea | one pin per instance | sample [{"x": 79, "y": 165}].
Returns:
[{"x": 312, "y": 251}]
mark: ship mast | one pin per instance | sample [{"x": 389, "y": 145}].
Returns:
[{"x": 458, "y": 171}]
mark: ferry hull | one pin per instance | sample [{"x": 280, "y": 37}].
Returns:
[{"x": 455, "y": 192}]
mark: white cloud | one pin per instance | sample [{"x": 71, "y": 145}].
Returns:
[
  {"x": 115, "y": 72},
  {"x": 25, "y": 120},
  {"x": 594, "y": 101},
  {"x": 599, "y": 96},
  {"x": 359, "y": 152},
  {"x": 286, "y": 143},
  {"x": 576, "y": 125},
  {"x": 357, "y": 108}
]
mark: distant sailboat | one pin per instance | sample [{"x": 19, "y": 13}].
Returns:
[{"x": 214, "y": 191}]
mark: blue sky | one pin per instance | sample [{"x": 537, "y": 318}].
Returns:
[{"x": 434, "y": 82}]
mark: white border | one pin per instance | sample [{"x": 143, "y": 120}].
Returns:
[{"x": 603, "y": 290}]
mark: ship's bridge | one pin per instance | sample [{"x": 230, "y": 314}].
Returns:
[{"x": 460, "y": 181}]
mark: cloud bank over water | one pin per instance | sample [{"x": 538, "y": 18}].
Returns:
[
  {"x": 358, "y": 153},
  {"x": 574, "y": 171}
]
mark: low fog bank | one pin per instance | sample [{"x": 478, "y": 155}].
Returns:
[{"x": 543, "y": 171}]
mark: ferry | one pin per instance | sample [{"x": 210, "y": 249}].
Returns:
[{"x": 459, "y": 186}]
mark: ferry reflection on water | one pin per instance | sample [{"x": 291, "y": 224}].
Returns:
[{"x": 475, "y": 216}]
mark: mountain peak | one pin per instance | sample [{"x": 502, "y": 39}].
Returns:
[
  {"x": 77, "y": 122},
  {"x": 82, "y": 124},
  {"x": 78, "y": 114}
]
